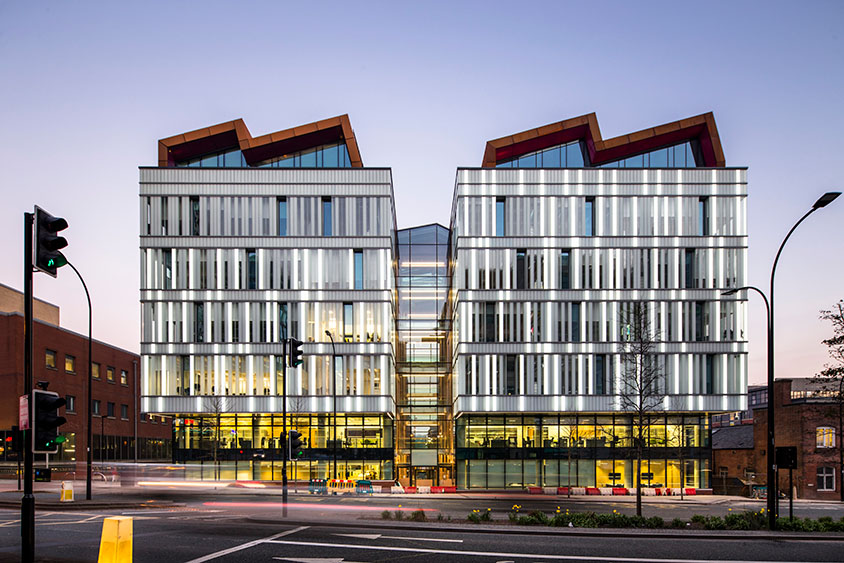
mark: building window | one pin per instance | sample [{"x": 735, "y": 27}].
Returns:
[
  {"x": 70, "y": 403},
  {"x": 50, "y": 359},
  {"x": 499, "y": 217},
  {"x": 703, "y": 216},
  {"x": 565, "y": 269},
  {"x": 124, "y": 377},
  {"x": 521, "y": 273},
  {"x": 348, "y": 322},
  {"x": 95, "y": 370},
  {"x": 69, "y": 364},
  {"x": 826, "y": 479},
  {"x": 110, "y": 374},
  {"x": 199, "y": 322},
  {"x": 825, "y": 437},
  {"x": 194, "y": 216},
  {"x": 124, "y": 412},
  {"x": 252, "y": 268},
  {"x": 95, "y": 407},
  {"x": 282, "y": 216},
  {"x": 358, "y": 269},
  {"x": 510, "y": 374},
  {"x": 110, "y": 412},
  {"x": 690, "y": 268},
  {"x": 589, "y": 217},
  {"x": 326, "y": 217}
]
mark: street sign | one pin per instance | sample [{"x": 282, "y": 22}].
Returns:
[
  {"x": 786, "y": 457},
  {"x": 23, "y": 412}
]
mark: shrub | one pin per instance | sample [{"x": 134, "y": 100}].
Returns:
[
  {"x": 735, "y": 521},
  {"x": 699, "y": 519},
  {"x": 678, "y": 523},
  {"x": 478, "y": 516},
  {"x": 715, "y": 523},
  {"x": 654, "y": 522},
  {"x": 535, "y": 518},
  {"x": 399, "y": 515},
  {"x": 560, "y": 520},
  {"x": 637, "y": 521},
  {"x": 386, "y": 515},
  {"x": 513, "y": 515},
  {"x": 440, "y": 517},
  {"x": 584, "y": 520},
  {"x": 418, "y": 516}
]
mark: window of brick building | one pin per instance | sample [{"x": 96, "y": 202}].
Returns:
[
  {"x": 70, "y": 405},
  {"x": 110, "y": 374},
  {"x": 826, "y": 479},
  {"x": 124, "y": 377},
  {"x": 825, "y": 437},
  {"x": 124, "y": 412},
  {"x": 110, "y": 412},
  {"x": 95, "y": 407},
  {"x": 50, "y": 359},
  {"x": 69, "y": 364},
  {"x": 95, "y": 370}
]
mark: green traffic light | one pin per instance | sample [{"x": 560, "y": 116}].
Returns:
[
  {"x": 60, "y": 440},
  {"x": 57, "y": 261}
]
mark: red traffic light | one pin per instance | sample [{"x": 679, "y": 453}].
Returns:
[{"x": 9, "y": 438}]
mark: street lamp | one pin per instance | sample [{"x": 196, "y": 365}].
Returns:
[
  {"x": 334, "y": 392},
  {"x": 823, "y": 201}
]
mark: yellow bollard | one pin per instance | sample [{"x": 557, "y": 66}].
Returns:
[{"x": 116, "y": 540}]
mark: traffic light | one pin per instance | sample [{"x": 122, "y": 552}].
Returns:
[
  {"x": 47, "y": 242},
  {"x": 16, "y": 444},
  {"x": 296, "y": 445},
  {"x": 46, "y": 421},
  {"x": 295, "y": 353}
]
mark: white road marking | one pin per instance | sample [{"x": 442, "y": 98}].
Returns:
[
  {"x": 376, "y": 536},
  {"x": 314, "y": 559},
  {"x": 247, "y": 545},
  {"x": 533, "y": 556}
]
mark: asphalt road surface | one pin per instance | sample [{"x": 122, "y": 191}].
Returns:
[{"x": 250, "y": 534}]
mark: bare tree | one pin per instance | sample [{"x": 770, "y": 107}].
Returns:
[
  {"x": 641, "y": 382},
  {"x": 572, "y": 435},
  {"x": 215, "y": 405},
  {"x": 831, "y": 377}
]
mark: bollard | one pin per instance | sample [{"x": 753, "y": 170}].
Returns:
[
  {"x": 116, "y": 540},
  {"x": 66, "y": 492}
]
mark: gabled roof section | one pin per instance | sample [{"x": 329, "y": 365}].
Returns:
[
  {"x": 234, "y": 135},
  {"x": 585, "y": 128}
]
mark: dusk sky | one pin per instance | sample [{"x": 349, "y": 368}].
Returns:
[{"x": 89, "y": 88}]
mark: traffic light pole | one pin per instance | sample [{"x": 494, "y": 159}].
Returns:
[
  {"x": 284, "y": 344},
  {"x": 28, "y": 500}
]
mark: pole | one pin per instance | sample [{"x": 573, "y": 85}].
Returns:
[
  {"x": 89, "y": 454},
  {"x": 285, "y": 443},
  {"x": 334, "y": 393},
  {"x": 28, "y": 500},
  {"x": 790, "y": 493},
  {"x": 137, "y": 388},
  {"x": 773, "y": 488}
]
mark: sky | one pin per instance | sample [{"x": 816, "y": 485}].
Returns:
[{"x": 89, "y": 88}]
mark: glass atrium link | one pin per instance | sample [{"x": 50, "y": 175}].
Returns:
[{"x": 424, "y": 425}]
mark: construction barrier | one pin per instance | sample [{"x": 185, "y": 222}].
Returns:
[
  {"x": 605, "y": 491},
  {"x": 619, "y": 491},
  {"x": 116, "y": 540},
  {"x": 66, "y": 493},
  {"x": 535, "y": 490}
]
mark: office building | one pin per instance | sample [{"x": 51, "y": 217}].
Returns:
[{"x": 488, "y": 354}]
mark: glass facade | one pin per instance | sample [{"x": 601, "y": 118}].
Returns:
[
  {"x": 424, "y": 439},
  {"x": 553, "y": 450},
  {"x": 324, "y": 156}
]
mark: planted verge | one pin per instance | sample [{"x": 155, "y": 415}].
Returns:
[{"x": 732, "y": 521}]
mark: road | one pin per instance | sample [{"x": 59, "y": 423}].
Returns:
[{"x": 193, "y": 535}]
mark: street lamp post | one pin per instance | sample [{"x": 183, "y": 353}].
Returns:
[
  {"x": 334, "y": 393},
  {"x": 773, "y": 488}
]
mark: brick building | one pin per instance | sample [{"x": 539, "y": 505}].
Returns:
[
  {"x": 806, "y": 419},
  {"x": 59, "y": 357},
  {"x": 733, "y": 459}
]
